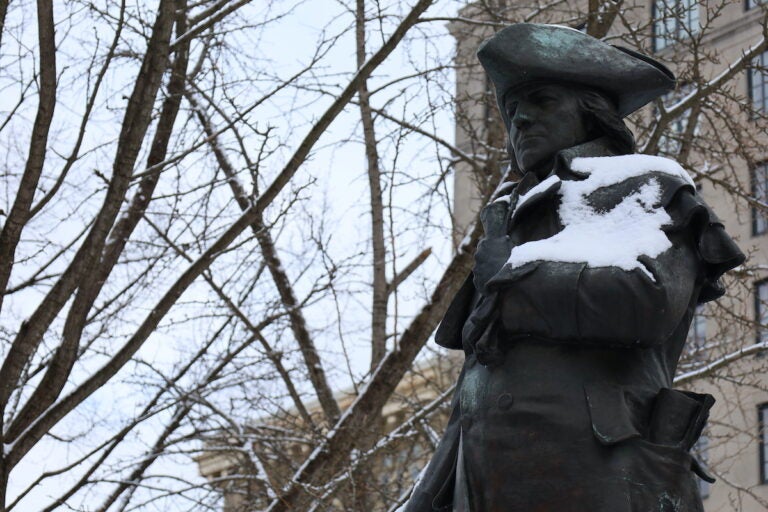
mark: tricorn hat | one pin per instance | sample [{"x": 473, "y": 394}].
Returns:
[{"x": 528, "y": 52}]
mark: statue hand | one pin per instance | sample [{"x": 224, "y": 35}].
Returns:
[
  {"x": 494, "y": 219},
  {"x": 494, "y": 248}
]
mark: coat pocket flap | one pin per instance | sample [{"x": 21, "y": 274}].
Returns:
[
  {"x": 613, "y": 418},
  {"x": 678, "y": 417}
]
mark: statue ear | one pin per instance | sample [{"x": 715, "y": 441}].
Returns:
[
  {"x": 588, "y": 102},
  {"x": 591, "y": 125}
]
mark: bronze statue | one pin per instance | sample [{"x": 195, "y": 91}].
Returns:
[{"x": 584, "y": 286}]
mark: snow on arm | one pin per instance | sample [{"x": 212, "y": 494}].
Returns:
[{"x": 617, "y": 237}]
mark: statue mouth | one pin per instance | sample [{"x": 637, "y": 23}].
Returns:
[{"x": 529, "y": 139}]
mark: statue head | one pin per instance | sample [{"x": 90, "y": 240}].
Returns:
[
  {"x": 557, "y": 87},
  {"x": 547, "y": 117}
]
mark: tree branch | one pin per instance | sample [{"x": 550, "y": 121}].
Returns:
[
  {"x": 38, "y": 144},
  {"x": 280, "y": 278},
  {"x": 135, "y": 124},
  {"x": 379, "y": 293},
  {"x": 65, "y": 405},
  {"x": 408, "y": 270}
]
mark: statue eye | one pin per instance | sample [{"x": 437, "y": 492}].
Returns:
[{"x": 544, "y": 98}]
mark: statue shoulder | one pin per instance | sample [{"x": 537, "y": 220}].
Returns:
[
  {"x": 614, "y": 169},
  {"x": 606, "y": 172}
]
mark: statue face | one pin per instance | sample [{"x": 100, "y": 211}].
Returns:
[{"x": 544, "y": 119}]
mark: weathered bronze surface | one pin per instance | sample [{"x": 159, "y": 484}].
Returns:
[{"x": 565, "y": 401}]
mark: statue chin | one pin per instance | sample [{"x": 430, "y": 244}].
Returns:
[{"x": 541, "y": 166}]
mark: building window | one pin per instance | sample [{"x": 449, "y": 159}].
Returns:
[
  {"x": 673, "y": 20},
  {"x": 701, "y": 451},
  {"x": 762, "y": 422},
  {"x": 760, "y": 195},
  {"x": 670, "y": 142},
  {"x": 757, "y": 79},
  {"x": 761, "y": 311},
  {"x": 751, "y": 4}
]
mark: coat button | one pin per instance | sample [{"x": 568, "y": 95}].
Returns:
[{"x": 504, "y": 401}]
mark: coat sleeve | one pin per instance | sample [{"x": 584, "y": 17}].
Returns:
[
  {"x": 573, "y": 302},
  {"x": 716, "y": 251},
  {"x": 448, "y": 333}
]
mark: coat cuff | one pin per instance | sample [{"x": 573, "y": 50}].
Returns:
[{"x": 717, "y": 251}]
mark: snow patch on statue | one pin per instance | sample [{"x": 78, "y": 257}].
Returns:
[{"x": 614, "y": 238}]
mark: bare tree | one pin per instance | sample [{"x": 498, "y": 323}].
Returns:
[
  {"x": 90, "y": 256},
  {"x": 205, "y": 232}
]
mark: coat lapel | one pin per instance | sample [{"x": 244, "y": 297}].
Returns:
[{"x": 543, "y": 190}]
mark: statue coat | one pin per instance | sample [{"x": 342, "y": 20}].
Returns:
[{"x": 565, "y": 401}]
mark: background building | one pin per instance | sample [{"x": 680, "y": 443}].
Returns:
[{"x": 406, "y": 445}]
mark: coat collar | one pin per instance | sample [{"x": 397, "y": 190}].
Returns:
[
  {"x": 594, "y": 148},
  {"x": 530, "y": 190}
]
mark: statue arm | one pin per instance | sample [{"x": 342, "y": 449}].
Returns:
[{"x": 574, "y": 302}]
